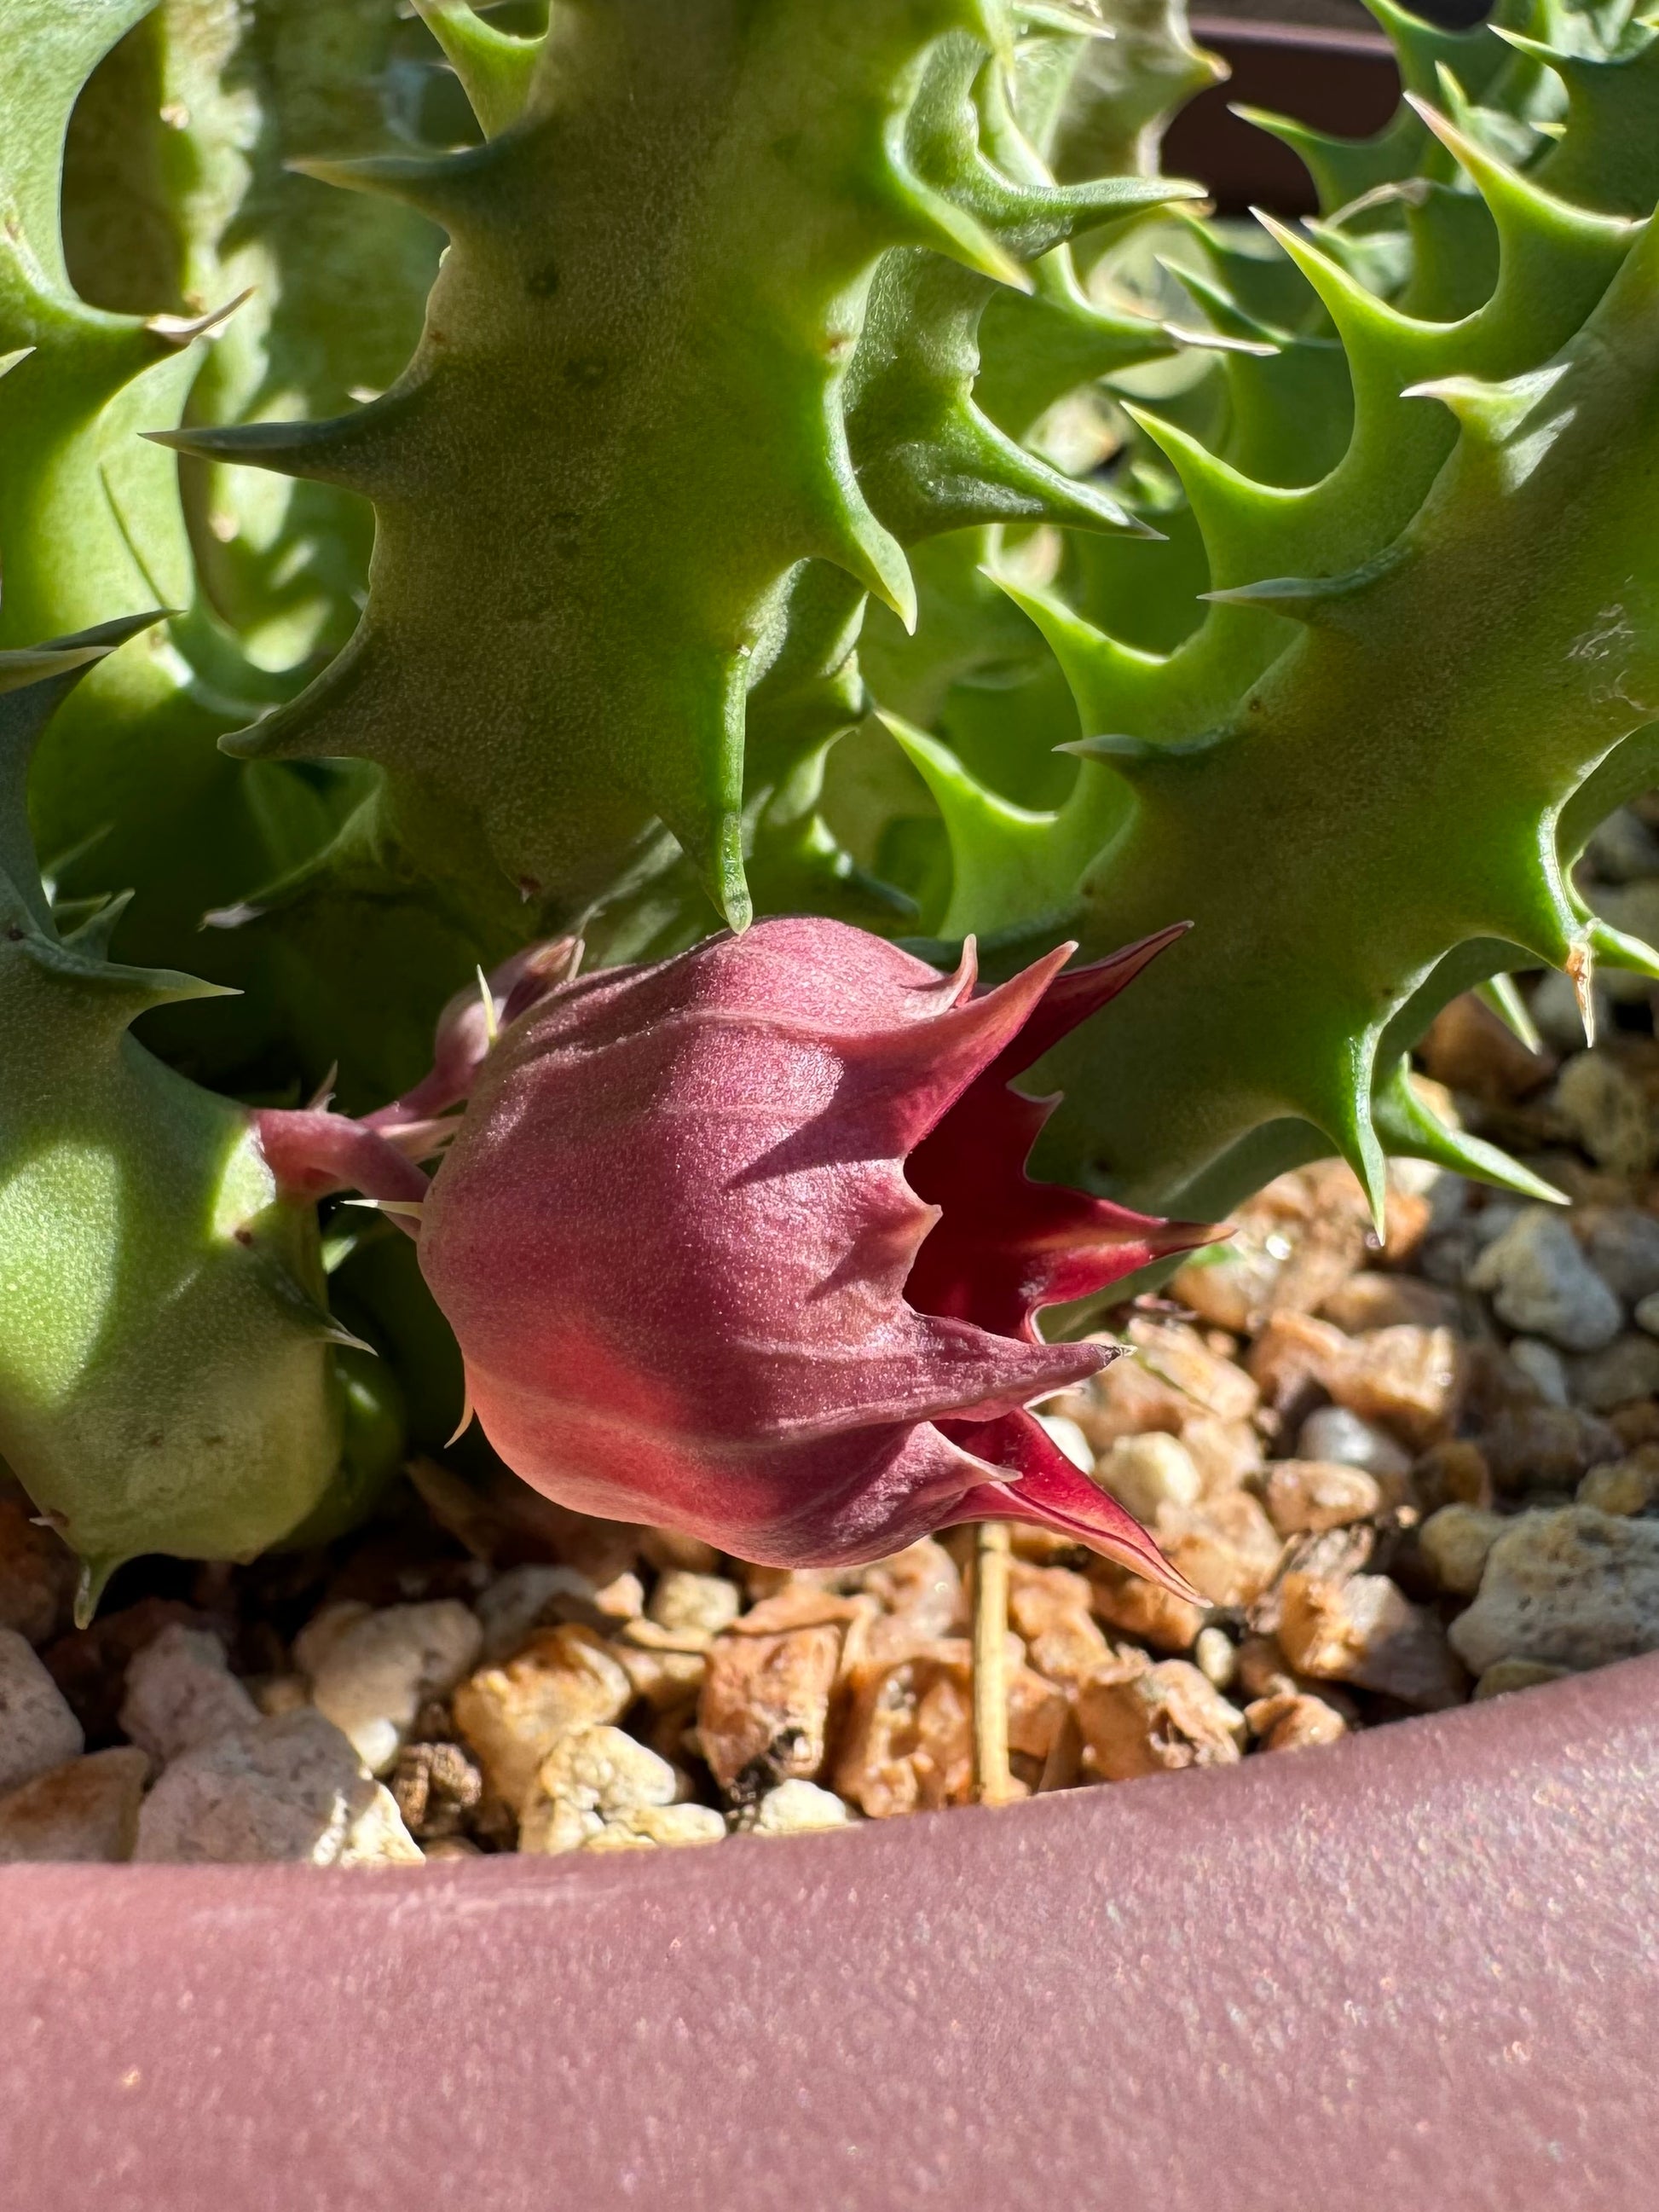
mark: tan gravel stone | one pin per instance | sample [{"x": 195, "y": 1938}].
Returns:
[
  {"x": 1627, "y": 1368},
  {"x": 280, "y": 1693},
  {"x": 1234, "y": 1288},
  {"x": 622, "y": 1597},
  {"x": 1146, "y": 1610},
  {"x": 1454, "y": 1472},
  {"x": 1293, "y": 1721},
  {"x": 1206, "y": 1380},
  {"x": 797, "y": 1809},
  {"x": 85, "y": 1810},
  {"x": 1371, "y": 1300},
  {"x": 1292, "y": 1245},
  {"x": 921, "y": 1587},
  {"x": 1226, "y": 1453},
  {"x": 708, "y": 1603},
  {"x": 1153, "y": 1476},
  {"x": 1634, "y": 1426},
  {"x": 605, "y": 1770},
  {"x": 324, "y": 1630},
  {"x": 1227, "y": 1548},
  {"x": 1575, "y": 1588},
  {"x": 908, "y": 1743},
  {"x": 667, "y": 1548},
  {"x": 1364, "y": 1631},
  {"x": 765, "y": 1707},
  {"x": 1454, "y": 1543},
  {"x": 1124, "y": 1400},
  {"x": 510, "y": 1718},
  {"x": 378, "y": 1836},
  {"x": 1305, "y": 1495},
  {"x": 1291, "y": 1359},
  {"x": 803, "y": 1603},
  {"x": 1547, "y": 1447},
  {"x": 1332, "y": 1433},
  {"x": 665, "y": 1673},
  {"x": 37, "y": 1729},
  {"x": 181, "y": 1692},
  {"x": 1408, "y": 1379},
  {"x": 1169, "y": 1718},
  {"x": 376, "y": 1672},
  {"x": 1606, "y": 1109},
  {"x": 1469, "y": 1049},
  {"x": 1049, "y": 1609},
  {"x": 550, "y": 1826},
  {"x": 38, "y": 1573},
  {"x": 528, "y": 1597},
  {"x": 659, "y": 1827},
  {"x": 1622, "y": 1485},
  {"x": 1330, "y": 1242},
  {"x": 1263, "y": 1670},
  {"x": 1215, "y": 1657},
  {"x": 1517, "y": 1674},
  {"x": 291, "y": 1789}
]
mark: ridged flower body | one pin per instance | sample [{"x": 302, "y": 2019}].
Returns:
[{"x": 743, "y": 1244}]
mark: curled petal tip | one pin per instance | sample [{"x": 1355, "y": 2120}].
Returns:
[{"x": 1042, "y": 1487}]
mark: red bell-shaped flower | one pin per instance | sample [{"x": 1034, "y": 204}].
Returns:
[{"x": 743, "y": 1244}]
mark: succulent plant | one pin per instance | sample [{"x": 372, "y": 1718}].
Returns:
[
  {"x": 1417, "y": 678},
  {"x": 706, "y": 318},
  {"x": 168, "y": 1377},
  {"x": 1326, "y": 556}
]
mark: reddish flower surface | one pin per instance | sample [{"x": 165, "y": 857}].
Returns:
[{"x": 743, "y": 1244}]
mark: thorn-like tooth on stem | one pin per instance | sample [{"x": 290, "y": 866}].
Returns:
[
  {"x": 1242, "y": 332},
  {"x": 969, "y": 452},
  {"x": 1613, "y": 948},
  {"x": 94, "y": 1576},
  {"x": 1049, "y": 15},
  {"x": 1312, "y": 599},
  {"x": 487, "y": 998},
  {"x": 1214, "y": 342},
  {"x": 1409, "y": 1126},
  {"x": 1535, "y": 48},
  {"x": 1228, "y": 506},
  {"x": 468, "y": 1416},
  {"x": 443, "y": 188},
  {"x": 1502, "y": 994},
  {"x": 932, "y": 220},
  {"x": 1581, "y": 971},
  {"x": 182, "y": 331},
  {"x": 329, "y": 451},
  {"x": 1516, "y": 202},
  {"x": 318, "y": 1102},
  {"x": 336, "y": 1334},
  {"x": 1128, "y": 753},
  {"x": 495, "y": 68},
  {"x": 408, "y": 1209},
  {"x": 1358, "y": 314}
]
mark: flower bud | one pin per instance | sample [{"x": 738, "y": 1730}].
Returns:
[{"x": 743, "y": 1244}]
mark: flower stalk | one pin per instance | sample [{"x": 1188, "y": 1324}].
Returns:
[{"x": 994, "y": 1779}]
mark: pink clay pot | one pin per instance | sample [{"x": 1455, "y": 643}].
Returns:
[{"x": 1414, "y": 1972}]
